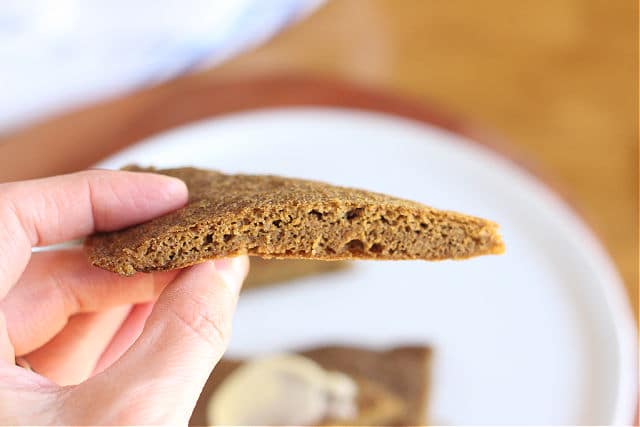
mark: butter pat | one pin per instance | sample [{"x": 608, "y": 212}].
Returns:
[{"x": 283, "y": 389}]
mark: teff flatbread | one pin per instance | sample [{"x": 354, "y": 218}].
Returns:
[
  {"x": 276, "y": 217},
  {"x": 394, "y": 384}
]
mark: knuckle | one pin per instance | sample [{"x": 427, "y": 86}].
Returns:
[
  {"x": 61, "y": 291},
  {"x": 204, "y": 322}
]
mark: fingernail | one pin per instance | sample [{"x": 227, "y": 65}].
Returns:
[
  {"x": 175, "y": 186},
  {"x": 232, "y": 270}
]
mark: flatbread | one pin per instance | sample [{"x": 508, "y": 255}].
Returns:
[
  {"x": 272, "y": 272},
  {"x": 393, "y": 384},
  {"x": 276, "y": 217}
]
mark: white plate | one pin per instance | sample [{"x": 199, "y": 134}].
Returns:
[{"x": 540, "y": 335}]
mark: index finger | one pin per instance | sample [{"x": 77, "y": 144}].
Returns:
[{"x": 53, "y": 210}]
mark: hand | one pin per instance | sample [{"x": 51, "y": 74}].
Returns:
[{"x": 101, "y": 350}]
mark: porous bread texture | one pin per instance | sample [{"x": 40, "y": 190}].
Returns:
[{"x": 276, "y": 217}]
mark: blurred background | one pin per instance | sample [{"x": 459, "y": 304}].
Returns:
[
  {"x": 552, "y": 85},
  {"x": 557, "y": 81}
]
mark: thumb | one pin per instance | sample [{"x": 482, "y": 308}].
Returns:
[{"x": 162, "y": 374}]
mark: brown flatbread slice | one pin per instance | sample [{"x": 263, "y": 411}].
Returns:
[
  {"x": 393, "y": 384},
  {"x": 270, "y": 272},
  {"x": 277, "y": 217}
]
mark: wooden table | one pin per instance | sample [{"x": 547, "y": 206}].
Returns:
[{"x": 557, "y": 79}]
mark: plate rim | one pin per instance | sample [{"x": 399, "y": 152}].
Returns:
[{"x": 295, "y": 91}]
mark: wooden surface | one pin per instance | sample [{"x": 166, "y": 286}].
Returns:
[{"x": 557, "y": 79}]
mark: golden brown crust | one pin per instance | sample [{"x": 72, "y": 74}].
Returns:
[
  {"x": 277, "y": 217},
  {"x": 385, "y": 379}
]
